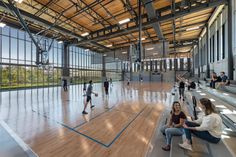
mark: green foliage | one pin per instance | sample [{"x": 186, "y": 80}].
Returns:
[{"x": 14, "y": 77}]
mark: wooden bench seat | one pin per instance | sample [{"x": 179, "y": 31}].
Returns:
[{"x": 201, "y": 148}]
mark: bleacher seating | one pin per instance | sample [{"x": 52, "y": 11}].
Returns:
[
  {"x": 203, "y": 148},
  {"x": 159, "y": 139},
  {"x": 231, "y": 88}
]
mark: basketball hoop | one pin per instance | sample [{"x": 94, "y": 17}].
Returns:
[{"x": 45, "y": 59}]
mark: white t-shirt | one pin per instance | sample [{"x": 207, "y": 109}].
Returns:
[{"x": 211, "y": 123}]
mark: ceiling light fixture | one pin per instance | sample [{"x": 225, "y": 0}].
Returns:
[
  {"x": 143, "y": 38},
  {"x": 60, "y": 42},
  {"x": 2, "y": 24},
  {"x": 84, "y": 34},
  {"x": 193, "y": 28},
  {"x": 110, "y": 45},
  {"x": 18, "y": 1},
  {"x": 185, "y": 7},
  {"x": 151, "y": 48},
  {"x": 104, "y": 55},
  {"x": 187, "y": 43},
  {"x": 124, "y": 21},
  {"x": 124, "y": 52},
  {"x": 86, "y": 50}
]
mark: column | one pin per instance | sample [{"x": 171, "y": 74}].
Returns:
[
  {"x": 103, "y": 68},
  {"x": 230, "y": 39},
  {"x": 170, "y": 64},
  {"x": 66, "y": 61}
]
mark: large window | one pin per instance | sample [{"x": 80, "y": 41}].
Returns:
[
  {"x": 223, "y": 41},
  {"x": 85, "y": 65},
  {"x": 213, "y": 48},
  {"x": 218, "y": 46},
  {"x": 18, "y": 56},
  {"x": 18, "y": 67},
  {"x": 210, "y": 50}
]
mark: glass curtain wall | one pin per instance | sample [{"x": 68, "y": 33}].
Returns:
[
  {"x": 17, "y": 61},
  {"x": 113, "y": 68},
  {"x": 19, "y": 70},
  {"x": 85, "y": 65}
]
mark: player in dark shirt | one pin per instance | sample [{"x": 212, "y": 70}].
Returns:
[
  {"x": 174, "y": 126},
  {"x": 84, "y": 88},
  {"x": 65, "y": 85},
  {"x": 181, "y": 89},
  {"x": 106, "y": 86}
]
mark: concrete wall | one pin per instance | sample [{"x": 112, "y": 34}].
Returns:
[
  {"x": 147, "y": 76},
  {"x": 203, "y": 56},
  {"x": 169, "y": 76},
  {"x": 234, "y": 35}
]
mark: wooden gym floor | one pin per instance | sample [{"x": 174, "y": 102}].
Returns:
[{"x": 49, "y": 120}]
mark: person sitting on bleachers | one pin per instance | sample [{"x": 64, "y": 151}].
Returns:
[
  {"x": 191, "y": 85},
  {"x": 208, "y": 127},
  {"x": 214, "y": 79},
  {"x": 224, "y": 81},
  {"x": 174, "y": 126}
]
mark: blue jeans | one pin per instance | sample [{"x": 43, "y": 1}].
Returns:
[
  {"x": 205, "y": 135},
  {"x": 169, "y": 132}
]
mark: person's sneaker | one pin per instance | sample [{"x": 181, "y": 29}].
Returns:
[
  {"x": 92, "y": 106},
  {"x": 166, "y": 148},
  {"x": 84, "y": 112},
  {"x": 185, "y": 145}
]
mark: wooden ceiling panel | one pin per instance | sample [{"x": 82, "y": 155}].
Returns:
[{"x": 92, "y": 15}]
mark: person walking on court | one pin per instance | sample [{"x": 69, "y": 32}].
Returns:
[
  {"x": 106, "y": 86},
  {"x": 65, "y": 85},
  {"x": 84, "y": 88},
  {"x": 181, "y": 89},
  {"x": 89, "y": 93},
  {"x": 141, "y": 79},
  {"x": 128, "y": 82}
]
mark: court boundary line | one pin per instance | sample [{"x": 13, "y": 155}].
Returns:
[
  {"x": 26, "y": 148},
  {"x": 119, "y": 134},
  {"x": 69, "y": 128},
  {"x": 79, "y": 125},
  {"x": 90, "y": 138}
]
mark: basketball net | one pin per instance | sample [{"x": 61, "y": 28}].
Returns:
[{"x": 47, "y": 67}]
